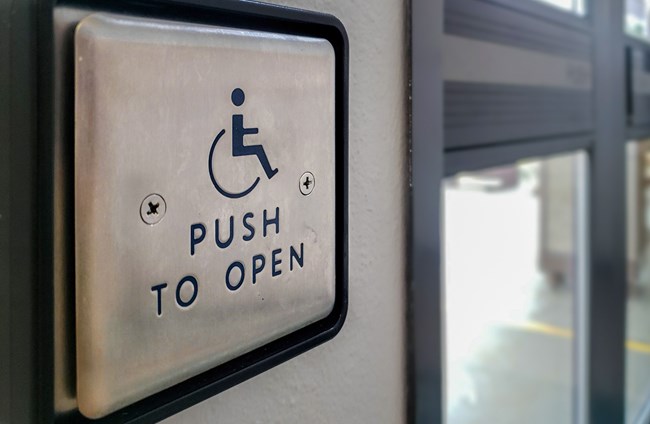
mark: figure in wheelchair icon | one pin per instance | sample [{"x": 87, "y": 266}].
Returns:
[{"x": 239, "y": 131}]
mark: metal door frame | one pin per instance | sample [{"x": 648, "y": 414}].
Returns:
[{"x": 603, "y": 391}]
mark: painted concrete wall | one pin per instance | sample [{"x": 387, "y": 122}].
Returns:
[{"x": 359, "y": 376}]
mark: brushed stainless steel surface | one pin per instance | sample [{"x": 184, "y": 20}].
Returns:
[{"x": 155, "y": 112}]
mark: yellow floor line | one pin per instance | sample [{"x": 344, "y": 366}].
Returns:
[
  {"x": 551, "y": 330},
  {"x": 540, "y": 327},
  {"x": 638, "y": 346}
]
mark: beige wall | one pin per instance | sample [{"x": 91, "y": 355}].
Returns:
[{"x": 359, "y": 376}]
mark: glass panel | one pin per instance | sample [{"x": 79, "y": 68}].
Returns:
[
  {"x": 574, "y": 6},
  {"x": 512, "y": 269},
  {"x": 636, "y": 18},
  {"x": 638, "y": 262}
]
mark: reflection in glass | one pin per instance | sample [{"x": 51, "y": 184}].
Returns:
[
  {"x": 574, "y": 6},
  {"x": 636, "y": 18},
  {"x": 512, "y": 237},
  {"x": 638, "y": 303}
]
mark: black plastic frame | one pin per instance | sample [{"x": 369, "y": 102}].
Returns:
[
  {"x": 39, "y": 405},
  {"x": 24, "y": 214}
]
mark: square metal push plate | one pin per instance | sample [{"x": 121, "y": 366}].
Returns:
[{"x": 204, "y": 199}]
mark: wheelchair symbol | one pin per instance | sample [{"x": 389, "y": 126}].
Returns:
[{"x": 239, "y": 149}]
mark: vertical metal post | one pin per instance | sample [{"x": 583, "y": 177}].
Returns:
[
  {"x": 426, "y": 395},
  {"x": 606, "y": 366}
]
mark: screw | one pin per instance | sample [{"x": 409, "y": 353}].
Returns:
[
  {"x": 153, "y": 209},
  {"x": 307, "y": 183}
]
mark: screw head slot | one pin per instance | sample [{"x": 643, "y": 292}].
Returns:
[
  {"x": 152, "y": 209},
  {"x": 307, "y": 183}
]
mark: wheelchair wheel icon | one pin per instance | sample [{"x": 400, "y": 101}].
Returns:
[
  {"x": 240, "y": 149},
  {"x": 214, "y": 179}
]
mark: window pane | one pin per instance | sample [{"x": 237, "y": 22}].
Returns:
[
  {"x": 512, "y": 237},
  {"x": 574, "y": 6},
  {"x": 636, "y": 18},
  {"x": 638, "y": 303}
]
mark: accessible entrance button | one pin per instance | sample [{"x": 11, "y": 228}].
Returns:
[{"x": 205, "y": 199}]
